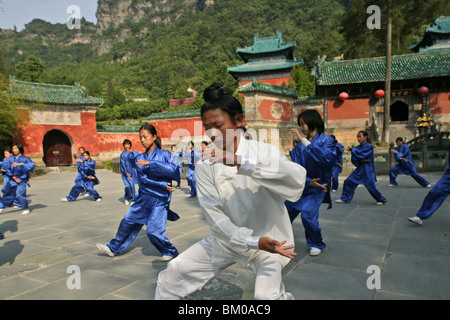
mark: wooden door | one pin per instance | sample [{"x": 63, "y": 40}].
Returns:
[{"x": 57, "y": 149}]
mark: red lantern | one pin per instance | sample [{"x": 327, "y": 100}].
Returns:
[
  {"x": 379, "y": 93},
  {"x": 423, "y": 90},
  {"x": 343, "y": 96}
]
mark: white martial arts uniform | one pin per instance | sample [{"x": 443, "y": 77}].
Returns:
[{"x": 240, "y": 204}]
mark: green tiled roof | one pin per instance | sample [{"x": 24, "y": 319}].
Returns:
[
  {"x": 267, "y": 87},
  {"x": 264, "y": 66},
  {"x": 171, "y": 115},
  {"x": 108, "y": 128},
  {"x": 310, "y": 99},
  {"x": 51, "y": 93},
  {"x": 266, "y": 45},
  {"x": 404, "y": 67},
  {"x": 438, "y": 28}
]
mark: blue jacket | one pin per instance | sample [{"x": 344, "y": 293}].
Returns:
[
  {"x": 318, "y": 158},
  {"x": 365, "y": 171},
  {"x": 153, "y": 178},
  {"x": 23, "y": 171}
]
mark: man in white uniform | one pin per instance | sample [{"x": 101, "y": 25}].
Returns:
[{"x": 242, "y": 187}]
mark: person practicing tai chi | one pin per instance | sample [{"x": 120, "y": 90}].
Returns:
[
  {"x": 317, "y": 154},
  {"x": 128, "y": 171},
  {"x": 86, "y": 181},
  {"x": 18, "y": 172},
  {"x": 155, "y": 172},
  {"x": 337, "y": 168},
  {"x": 362, "y": 158},
  {"x": 435, "y": 197},
  {"x": 242, "y": 185},
  {"x": 405, "y": 165},
  {"x": 192, "y": 156},
  {"x": 177, "y": 158}
]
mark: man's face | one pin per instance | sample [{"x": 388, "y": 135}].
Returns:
[{"x": 220, "y": 129}]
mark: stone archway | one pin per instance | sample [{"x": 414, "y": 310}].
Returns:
[{"x": 57, "y": 149}]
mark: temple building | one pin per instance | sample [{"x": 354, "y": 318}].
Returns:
[
  {"x": 353, "y": 90},
  {"x": 268, "y": 60}
]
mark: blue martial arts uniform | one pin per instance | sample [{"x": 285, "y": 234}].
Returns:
[
  {"x": 405, "y": 167},
  {"x": 318, "y": 159},
  {"x": 128, "y": 165},
  {"x": 177, "y": 158},
  {"x": 16, "y": 191},
  {"x": 192, "y": 158},
  {"x": 363, "y": 174},
  {"x": 152, "y": 204},
  {"x": 86, "y": 168},
  {"x": 437, "y": 194},
  {"x": 337, "y": 170}
]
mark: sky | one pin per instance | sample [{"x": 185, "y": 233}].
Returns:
[{"x": 20, "y": 12}]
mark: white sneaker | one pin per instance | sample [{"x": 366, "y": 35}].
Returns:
[
  {"x": 333, "y": 190},
  {"x": 379, "y": 203},
  {"x": 428, "y": 186},
  {"x": 190, "y": 196},
  {"x": 166, "y": 258},
  {"x": 126, "y": 202},
  {"x": 416, "y": 219},
  {"x": 340, "y": 201},
  {"x": 86, "y": 195},
  {"x": 64, "y": 200},
  {"x": 98, "y": 200},
  {"x": 105, "y": 249},
  {"x": 25, "y": 212},
  {"x": 1, "y": 210},
  {"x": 314, "y": 251},
  {"x": 392, "y": 185}
]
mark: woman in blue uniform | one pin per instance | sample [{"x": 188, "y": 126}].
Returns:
[
  {"x": 317, "y": 154},
  {"x": 128, "y": 171},
  {"x": 362, "y": 158},
  {"x": 87, "y": 181},
  {"x": 193, "y": 156},
  {"x": 405, "y": 165},
  {"x": 155, "y": 172},
  {"x": 177, "y": 158},
  {"x": 337, "y": 168},
  {"x": 18, "y": 172},
  {"x": 435, "y": 197}
]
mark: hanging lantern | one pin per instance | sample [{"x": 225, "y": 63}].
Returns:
[
  {"x": 343, "y": 96},
  {"x": 379, "y": 93},
  {"x": 423, "y": 90}
]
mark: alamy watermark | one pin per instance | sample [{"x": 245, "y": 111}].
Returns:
[
  {"x": 374, "y": 21},
  {"x": 374, "y": 280},
  {"x": 74, "y": 280},
  {"x": 74, "y": 21}
]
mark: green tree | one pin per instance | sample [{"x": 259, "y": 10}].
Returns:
[
  {"x": 409, "y": 21},
  {"x": 304, "y": 83},
  {"x": 9, "y": 117},
  {"x": 31, "y": 70}
]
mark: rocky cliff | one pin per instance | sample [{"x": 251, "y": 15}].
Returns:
[{"x": 112, "y": 13}]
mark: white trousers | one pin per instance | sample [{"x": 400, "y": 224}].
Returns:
[{"x": 192, "y": 269}]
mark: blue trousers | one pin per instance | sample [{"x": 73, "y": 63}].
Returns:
[
  {"x": 395, "y": 170},
  {"x": 151, "y": 211},
  {"x": 79, "y": 187},
  {"x": 190, "y": 177},
  {"x": 130, "y": 190},
  {"x": 309, "y": 208},
  {"x": 435, "y": 197},
  {"x": 335, "y": 178},
  {"x": 2, "y": 205},
  {"x": 16, "y": 194},
  {"x": 349, "y": 190}
]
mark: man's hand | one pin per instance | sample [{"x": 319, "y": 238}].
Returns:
[{"x": 273, "y": 246}]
